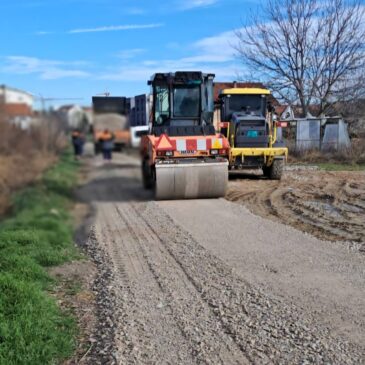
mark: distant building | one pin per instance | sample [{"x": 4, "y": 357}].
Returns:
[
  {"x": 74, "y": 116},
  {"x": 139, "y": 110},
  {"x": 293, "y": 112},
  {"x": 16, "y": 105}
]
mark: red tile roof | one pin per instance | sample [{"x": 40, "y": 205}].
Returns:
[
  {"x": 280, "y": 109},
  {"x": 17, "y": 110}
]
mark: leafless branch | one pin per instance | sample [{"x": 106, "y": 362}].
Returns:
[{"x": 307, "y": 50}]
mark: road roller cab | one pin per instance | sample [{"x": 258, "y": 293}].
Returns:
[
  {"x": 247, "y": 117},
  {"x": 183, "y": 156}
]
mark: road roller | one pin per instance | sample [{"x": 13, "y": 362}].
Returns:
[{"x": 183, "y": 157}]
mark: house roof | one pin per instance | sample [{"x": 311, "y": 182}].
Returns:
[
  {"x": 17, "y": 110},
  {"x": 5, "y": 87},
  {"x": 280, "y": 109},
  {"x": 66, "y": 108},
  {"x": 297, "y": 110}
]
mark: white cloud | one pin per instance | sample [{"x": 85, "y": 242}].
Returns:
[
  {"x": 191, "y": 4},
  {"x": 220, "y": 46},
  {"x": 143, "y": 72},
  {"x": 211, "y": 54},
  {"x": 46, "y": 69},
  {"x": 42, "y": 33},
  {"x": 113, "y": 28}
]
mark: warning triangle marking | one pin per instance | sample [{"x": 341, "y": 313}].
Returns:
[
  {"x": 217, "y": 143},
  {"x": 164, "y": 143}
]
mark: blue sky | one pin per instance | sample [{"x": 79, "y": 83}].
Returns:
[{"x": 78, "y": 48}]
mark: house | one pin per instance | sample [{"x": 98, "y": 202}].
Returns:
[
  {"x": 75, "y": 116},
  {"x": 294, "y": 112},
  {"x": 16, "y": 105}
]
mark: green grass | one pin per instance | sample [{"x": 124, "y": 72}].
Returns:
[
  {"x": 39, "y": 234},
  {"x": 333, "y": 166}
]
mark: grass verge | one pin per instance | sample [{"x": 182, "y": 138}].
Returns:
[
  {"x": 39, "y": 234},
  {"x": 333, "y": 166}
]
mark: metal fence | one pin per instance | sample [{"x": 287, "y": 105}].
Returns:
[{"x": 321, "y": 134}]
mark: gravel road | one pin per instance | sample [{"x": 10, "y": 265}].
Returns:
[{"x": 206, "y": 281}]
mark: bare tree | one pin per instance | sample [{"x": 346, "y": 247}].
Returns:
[{"x": 308, "y": 51}]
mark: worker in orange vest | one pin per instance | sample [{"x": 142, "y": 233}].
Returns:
[
  {"x": 78, "y": 141},
  {"x": 107, "y": 144}
]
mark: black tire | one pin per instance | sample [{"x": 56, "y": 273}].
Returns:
[
  {"x": 266, "y": 171},
  {"x": 147, "y": 175},
  {"x": 276, "y": 170}
]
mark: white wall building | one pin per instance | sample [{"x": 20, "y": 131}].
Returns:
[
  {"x": 11, "y": 95},
  {"x": 16, "y": 105}
]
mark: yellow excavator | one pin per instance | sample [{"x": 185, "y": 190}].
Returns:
[{"x": 248, "y": 121}]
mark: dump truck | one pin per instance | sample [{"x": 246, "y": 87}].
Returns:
[
  {"x": 248, "y": 122},
  {"x": 110, "y": 113},
  {"x": 182, "y": 155}
]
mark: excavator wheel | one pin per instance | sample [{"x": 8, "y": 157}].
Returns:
[{"x": 275, "y": 171}]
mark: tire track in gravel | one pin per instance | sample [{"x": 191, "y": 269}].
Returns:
[
  {"x": 194, "y": 317},
  {"x": 176, "y": 303},
  {"x": 267, "y": 329},
  {"x": 145, "y": 332}
]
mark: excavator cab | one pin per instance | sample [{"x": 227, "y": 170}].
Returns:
[
  {"x": 182, "y": 104},
  {"x": 247, "y": 121},
  {"x": 246, "y": 112}
]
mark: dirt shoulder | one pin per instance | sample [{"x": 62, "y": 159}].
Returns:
[{"x": 328, "y": 205}]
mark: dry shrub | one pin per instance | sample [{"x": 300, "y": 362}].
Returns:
[
  {"x": 25, "y": 154},
  {"x": 353, "y": 155}
]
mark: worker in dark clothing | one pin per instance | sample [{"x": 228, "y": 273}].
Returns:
[
  {"x": 78, "y": 141},
  {"x": 107, "y": 144}
]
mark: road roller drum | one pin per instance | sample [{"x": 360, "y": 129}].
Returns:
[{"x": 191, "y": 180}]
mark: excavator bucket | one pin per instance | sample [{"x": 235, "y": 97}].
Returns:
[{"x": 192, "y": 180}]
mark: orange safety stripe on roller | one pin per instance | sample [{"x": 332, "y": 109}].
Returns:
[{"x": 203, "y": 143}]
